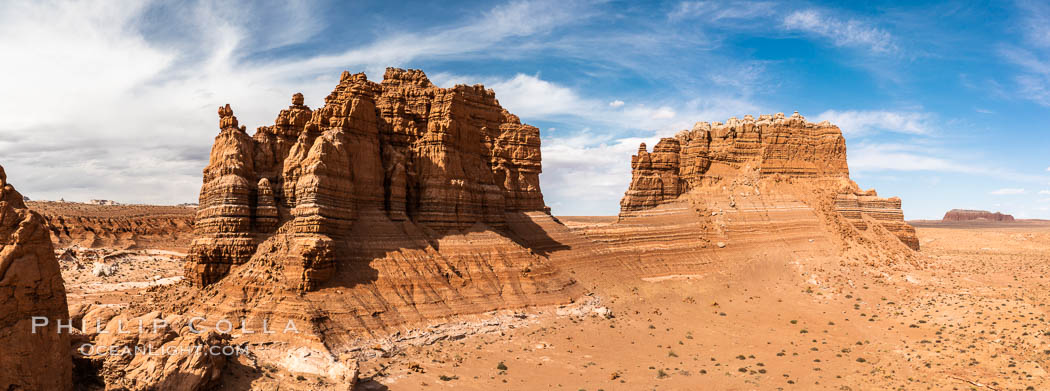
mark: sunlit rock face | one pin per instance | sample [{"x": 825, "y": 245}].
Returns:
[
  {"x": 443, "y": 158},
  {"x": 774, "y": 148}
]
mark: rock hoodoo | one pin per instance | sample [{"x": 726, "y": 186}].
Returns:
[
  {"x": 975, "y": 215},
  {"x": 443, "y": 158},
  {"x": 30, "y": 286},
  {"x": 771, "y": 147}
]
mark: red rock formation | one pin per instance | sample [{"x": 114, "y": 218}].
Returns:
[
  {"x": 971, "y": 215},
  {"x": 444, "y": 158},
  {"x": 30, "y": 286},
  {"x": 655, "y": 176},
  {"x": 773, "y": 147}
]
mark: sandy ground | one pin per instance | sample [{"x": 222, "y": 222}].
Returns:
[
  {"x": 973, "y": 318},
  {"x": 113, "y": 276}
]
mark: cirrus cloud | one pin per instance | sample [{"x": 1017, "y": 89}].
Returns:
[{"x": 1007, "y": 191}]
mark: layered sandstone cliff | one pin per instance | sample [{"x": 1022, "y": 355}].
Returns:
[
  {"x": 860, "y": 206},
  {"x": 771, "y": 148},
  {"x": 396, "y": 202},
  {"x": 443, "y": 158},
  {"x": 30, "y": 286},
  {"x": 975, "y": 215}
]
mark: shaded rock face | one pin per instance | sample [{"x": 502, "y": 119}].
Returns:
[
  {"x": 773, "y": 147},
  {"x": 30, "y": 286},
  {"x": 971, "y": 215},
  {"x": 443, "y": 158}
]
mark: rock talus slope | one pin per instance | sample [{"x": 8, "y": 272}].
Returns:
[
  {"x": 771, "y": 149},
  {"x": 30, "y": 286}
]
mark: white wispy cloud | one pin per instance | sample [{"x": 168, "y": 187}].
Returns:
[
  {"x": 719, "y": 10},
  {"x": 841, "y": 31},
  {"x": 1044, "y": 192},
  {"x": 859, "y": 122},
  {"x": 499, "y": 24},
  {"x": 1008, "y": 191},
  {"x": 587, "y": 172},
  {"x": 533, "y": 98},
  {"x": 879, "y": 157},
  {"x": 1032, "y": 81},
  {"x": 1033, "y": 22}
]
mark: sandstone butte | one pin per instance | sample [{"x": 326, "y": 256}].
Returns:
[
  {"x": 975, "y": 215},
  {"x": 401, "y": 203},
  {"x": 772, "y": 150},
  {"x": 30, "y": 285}
]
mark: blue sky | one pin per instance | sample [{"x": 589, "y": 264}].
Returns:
[{"x": 943, "y": 105}]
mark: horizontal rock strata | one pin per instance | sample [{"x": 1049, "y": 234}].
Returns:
[
  {"x": 708, "y": 153},
  {"x": 395, "y": 203},
  {"x": 859, "y": 207},
  {"x": 770, "y": 148},
  {"x": 443, "y": 158}
]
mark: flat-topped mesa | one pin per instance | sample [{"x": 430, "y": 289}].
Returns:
[
  {"x": 975, "y": 215},
  {"x": 713, "y": 155},
  {"x": 445, "y": 158},
  {"x": 705, "y": 155}
]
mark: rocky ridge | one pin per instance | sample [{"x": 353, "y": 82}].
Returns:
[{"x": 117, "y": 226}]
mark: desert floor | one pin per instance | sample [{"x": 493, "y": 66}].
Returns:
[{"x": 972, "y": 318}]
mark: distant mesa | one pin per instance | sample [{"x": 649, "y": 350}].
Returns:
[{"x": 975, "y": 215}]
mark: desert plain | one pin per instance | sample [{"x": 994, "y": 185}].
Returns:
[{"x": 972, "y": 317}]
